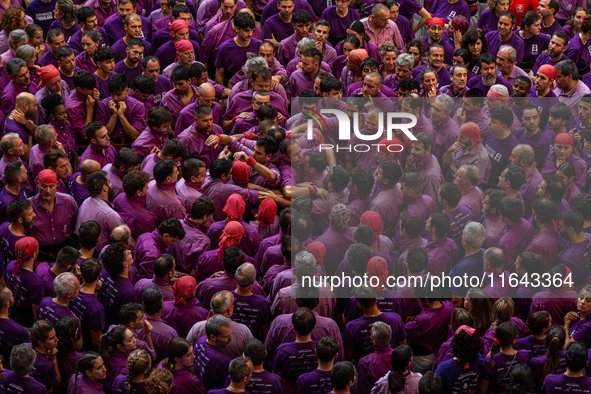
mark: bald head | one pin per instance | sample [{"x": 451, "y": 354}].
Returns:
[
  {"x": 121, "y": 234},
  {"x": 205, "y": 88},
  {"x": 523, "y": 156},
  {"x": 23, "y": 99},
  {"x": 379, "y": 80},
  {"x": 89, "y": 166},
  {"x": 379, "y": 9},
  {"x": 248, "y": 11}
]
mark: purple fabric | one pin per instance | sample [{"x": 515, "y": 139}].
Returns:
[
  {"x": 293, "y": 359},
  {"x": 12, "y": 334},
  {"x": 44, "y": 371},
  {"x": 534, "y": 46},
  {"x": 84, "y": 385},
  {"x": 7, "y": 242},
  {"x": 373, "y": 367},
  {"x": 219, "y": 190},
  {"x": 446, "y": 10},
  {"x": 514, "y": 240},
  {"x": 44, "y": 271},
  {"x": 499, "y": 152},
  {"x": 6, "y": 197},
  {"x": 42, "y": 13},
  {"x": 549, "y": 168},
  {"x": 250, "y": 240},
  {"x": 498, "y": 375},
  {"x": 557, "y": 302},
  {"x": 12, "y": 384},
  {"x": 271, "y": 9},
  {"x": 210, "y": 365},
  {"x": 120, "y": 48},
  {"x": 551, "y": 29},
  {"x": 120, "y": 382},
  {"x": 209, "y": 287},
  {"x": 135, "y": 114},
  {"x": 102, "y": 211},
  {"x": 534, "y": 347},
  {"x": 472, "y": 199},
  {"x": 115, "y": 30},
  {"x": 9, "y": 95},
  {"x": 529, "y": 189},
  {"x": 55, "y": 227},
  {"x": 443, "y": 78},
  {"x": 275, "y": 27},
  {"x": 100, "y": 155},
  {"x": 287, "y": 48},
  {"x": 91, "y": 313},
  {"x": 338, "y": 25},
  {"x": 76, "y": 107},
  {"x": 135, "y": 214},
  {"x": 164, "y": 285},
  {"x": 544, "y": 58},
  {"x": 162, "y": 334},
  {"x": 545, "y": 244},
  {"x": 457, "y": 377},
  {"x": 114, "y": 293},
  {"x": 443, "y": 254},
  {"x": 231, "y": 57},
  {"x": 495, "y": 43},
  {"x": 459, "y": 218},
  {"x": 498, "y": 286},
  {"x": 163, "y": 201},
  {"x": 147, "y": 248},
  {"x": 147, "y": 140},
  {"x": 476, "y": 82},
  {"x": 184, "y": 382},
  {"x": 469, "y": 265},
  {"x": 102, "y": 14},
  {"x": 488, "y": 21},
  {"x": 448, "y": 49},
  {"x": 252, "y": 311},
  {"x": 578, "y": 52},
  {"x": 172, "y": 101},
  {"x": 76, "y": 41},
  {"x": 357, "y": 333},
  {"x": 539, "y": 142},
  {"x": 115, "y": 177},
  {"x": 183, "y": 317},
  {"x": 560, "y": 383},
  {"x": 208, "y": 263},
  {"x": 28, "y": 290},
  {"x": 577, "y": 258},
  {"x": 194, "y": 139},
  {"x": 193, "y": 245},
  {"x": 386, "y": 201}
]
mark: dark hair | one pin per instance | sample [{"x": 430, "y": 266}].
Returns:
[
  {"x": 163, "y": 169},
  {"x": 545, "y": 209},
  {"x": 220, "y": 167},
  {"x": 576, "y": 354},
  {"x": 90, "y": 269},
  {"x": 255, "y": 350},
  {"x": 174, "y": 148},
  {"x": 572, "y": 218},
  {"x": 242, "y": 21},
  {"x": 537, "y": 322},
  {"x": 502, "y": 114},
  {"x": 451, "y": 193},
  {"x": 412, "y": 224},
  {"x": 441, "y": 222},
  {"x": 153, "y": 300},
  {"x": 341, "y": 374},
  {"x": 430, "y": 383},
  {"x": 521, "y": 380},
  {"x": 233, "y": 258},
  {"x": 126, "y": 158},
  {"x": 303, "y": 321},
  {"x": 95, "y": 183},
  {"x": 364, "y": 234},
  {"x": 532, "y": 263},
  {"x": 65, "y": 330},
  {"x": 202, "y": 206},
  {"x": 12, "y": 171},
  {"x": 583, "y": 205},
  {"x": 52, "y": 156},
  {"x": 555, "y": 187},
  {"x": 145, "y": 84},
  {"x": 307, "y": 297},
  {"x": 163, "y": 265},
  {"x": 358, "y": 256},
  {"x": 416, "y": 259},
  {"x": 506, "y": 333},
  {"x": 511, "y": 208},
  {"x": 399, "y": 360},
  {"x": 515, "y": 175},
  {"x": 110, "y": 340},
  {"x": 16, "y": 209},
  {"x": 85, "y": 363},
  {"x": 113, "y": 258},
  {"x": 465, "y": 347},
  {"x": 391, "y": 171},
  {"x": 51, "y": 102},
  {"x": 40, "y": 331},
  {"x": 181, "y": 73},
  {"x": 481, "y": 309},
  {"x": 327, "y": 348},
  {"x": 128, "y": 313},
  {"x": 118, "y": 83},
  {"x": 172, "y": 227},
  {"x": 176, "y": 348},
  {"x": 555, "y": 339},
  {"x": 103, "y": 54},
  {"x": 91, "y": 129},
  {"x": 135, "y": 181}
]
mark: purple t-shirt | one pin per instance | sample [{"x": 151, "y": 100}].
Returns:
[
  {"x": 42, "y": 13},
  {"x": 470, "y": 265},
  {"x": 499, "y": 374},
  {"x": 275, "y": 27},
  {"x": 120, "y": 382},
  {"x": 12, "y": 384},
  {"x": 534, "y": 46},
  {"x": 90, "y": 312},
  {"x": 580, "y": 331},
  {"x": 357, "y": 334},
  {"x": 578, "y": 52},
  {"x": 459, "y": 377},
  {"x": 12, "y": 334},
  {"x": 114, "y": 293},
  {"x": 231, "y": 57},
  {"x": 315, "y": 382},
  {"x": 293, "y": 359},
  {"x": 210, "y": 365},
  {"x": 458, "y": 220},
  {"x": 534, "y": 347},
  {"x": 559, "y": 384},
  {"x": 499, "y": 152},
  {"x": 578, "y": 259},
  {"x": 338, "y": 25},
  {"x": 252, "y": 311}
]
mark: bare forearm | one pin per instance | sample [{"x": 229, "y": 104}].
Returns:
[
  {"x": 110, "y": 126},
  {"x": 128, "y": 128},
  {"x": 265, "y": 172}
]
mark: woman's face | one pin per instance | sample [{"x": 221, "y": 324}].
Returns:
[
  {"x": 584, "y": 302},
  {"x": 99, "y": 371},
  {"x": 187, "y": 360},
  {"x": 389, "y": 60},
  {"x": 89, "y": 46},
  {"x": 475, "y": 48},
  {"x": 414, "y": 52},
  {"x": 535, "y": 28},
  {"x": 37, "y": 39},
  {"x": 129, "y": 343},
  {"x": 347, "y": 48},
  {"x": 354, "y": 33},
  {"x": 467, "y": 304},
  {"x": 57, "y": 13},
  {"x": 578, "y": 19},
  {"x": 502, "y": 6},
  {"x": 451, "y": 31},
  {"x": 51, "y": 341}
]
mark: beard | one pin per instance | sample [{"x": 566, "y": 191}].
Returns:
[
  {"x": 111, "y": 193},
  {"x": 29, "y": 224},
  {"x": 564, "y": 235},
  {"x": 489, "y": 81}
]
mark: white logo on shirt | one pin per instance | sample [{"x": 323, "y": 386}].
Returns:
[
  {"x": 534, "y": 49},
  {"x": 451, "y": 15}
]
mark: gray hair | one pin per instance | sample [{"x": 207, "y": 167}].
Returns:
[
  {"x": 377, "y": 76},
  {"x": 17, "y": 36},
  {"x": 511, "y": 53},
  {"x": 25, "y": 52},
  {"x": 382, "y": 334},
  {"x": 44, "y": 134},
  {"x": 526, "y": 153},
  {"x": 221, "y": 301},
  {"x": 304, "y": 264},
  {"x": 7, "y": 142},
  {"x": 121, "y": 234},
  {"x": 567, "y": 67},
  {"x": 500, "y": 89},
  {"x": 471, "y": 174},
  {"x": 214, "y": 325},
  {"x": 22, "y": 359},
  {"x": 449, "y": 103},
  {"x": 260, "y": 93},
  {"x": 64, "y": 284},
  {"x": 405, "y": 60},
  {"x": 14, "y": 66},
  {"x": 474, "y": 234},
  {"x": 306, "y": 43},
  {"x": 254, "y": 62},
  {"x": 246, "y": 274}
]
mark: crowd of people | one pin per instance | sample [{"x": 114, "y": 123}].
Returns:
[{"x": 173, "y": 185}]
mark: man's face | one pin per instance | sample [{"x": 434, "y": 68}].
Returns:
[
  {"x": 228, "y": 8},
  {"x": 309, "y": 66},
  {"x": 31, "y": 109},
  {"x": 91, "y": 23},
  {"x": 134, "y": 29},
  {"x": 562, "y": 81},
  {"x": 543, "y": 8},
  {"x": 488, "y": 70},
  {"x": 182, "y": 34},
  {"x": 320, "y": 33},
  {"x": 438, "y": 112},
  {"x": 140, "y": 319},
  {"x": 468, "y": 104},
  {"x": 307, "y": 108},
  {"x": 381, "y": 21},
  {"x": 47, "y": 190},
  {"x": 244, "y": 34},
  {"x": 429, "y": 82},
  {"x": 486, "y": 205},
  {"x": 120, "y": 96},
  {"x": 562, "y": 229},
  {"x": 350, "y": 109},
  {"x": 202, "y": 174},
  {"x": 542, "y": 189},
  {"x": 333, "y": 97},
  {"x": 62, "y": 168},
  {"x": 205, "y": 122},
  {"x": 56, "y": 43},
  {"x": 436, "y": 57},
  {"x": 18, "y": 147},
  {"x": 184, "y": 16},
  {"x": 102, "y": 138},
  {"x": 294, "y": 153},
  {"x": 584, "y": 110},
  {"x": 531, "y": 119},
  {"x": 259, "y": 101},
  {"x": 394, "y": 12},
  {"x": 372, "y": 122},
  {"x": 182, "y": 86},
  {"x": 259, "y": 155},
  {"x": 223, "y": 341},
  {"x": 108, "y": 66},
  {"x": 503, "y": 184},
  {"x": 555, "y": 123},
  {"x": 302, "y": 29},
  {"x": 135, "y": 54},
  {"x": 562, "y": 151},
  {"x": 541, "y": 82},
  {"x": 286, "y": 9},
  {"x": 68, "y": 64},
  {"x": 505, "y": 26},
  {"x": 186, "y": 58},
  {"x": 435, "y": 32},
  {"x": 503, "y": 63},
  {"x": 460, "y": 78},
  {"x": 152, "y": 69},
  {"x": 496, "y": 126},
  {"x": 22, "y": 78},
  {"x": 163, "y": 129},
  {"x": 261, "y": 84},
  {"x": 402, "y": 72},
  {"x": 556, "y": 46},
  {"x": 267, "y": 53},
  {"x": 207, "y": 97},
  {"x": 123, "y": 10},
  {"x": 466, "y": 141},
  {"x": 368, "y": 69},
  {"x": 520, "y": 89},
  {"x": 29, "y": 218},
  {"x": 418, "y": 151},
  {"x": 371, "y": 87},
  {"x": 514, "y": 158}
]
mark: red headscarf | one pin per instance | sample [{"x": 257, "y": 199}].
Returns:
[
  {"x": 356, "y": 56},
  {"x": 375, "y": 221},
  {"x": 183, "y": 46},
  {"x": 234, "y": 207},
  {"x": 378, "y": 266},
  {"x": 177, "y": 25},
  {"x": 565, "y": 139},
  {"x": 241, "y": 172},
  {"x": 267, "y": 212},
  {"x": 184, "y": 288},
  {"x": 46, "y": 176},
  {"x": 232, "y": 233},
  {"x": 318, "y": 250},
  {"x": 436, "y": 21},
  {"x": 46, "y": 74},
  {"x": 24, "y": 249}
]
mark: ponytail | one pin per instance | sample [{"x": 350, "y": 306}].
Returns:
[
  {"x": 555, "y": 339},
  {"x": 502, "y": 311},
  {"x": 160, "y": 381},
  {"x": 138, "y": 363},
  {"x": 521, "y": 380},
  {"x": 537, "y": 322},
  {"x": 85, "y": 363},
  {"x": 505, "y": 335},
  {"x": 110, "y": 340},
  {"x": 400, "y": 359}
]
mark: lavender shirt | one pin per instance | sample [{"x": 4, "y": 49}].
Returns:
[
  {"x": 182, "y": 317},
  {"x": 194, "y": 244},
  {"x": 135, "y": 115},
  {"x": 147, "y": 248},
  {"x": 164, "y": 202},
  {"x": 210, "y": 365},
  {"x": 12, "y": 384},
  {"x": 95, "y": 208},
  {"x": 357, "y": 333}
]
